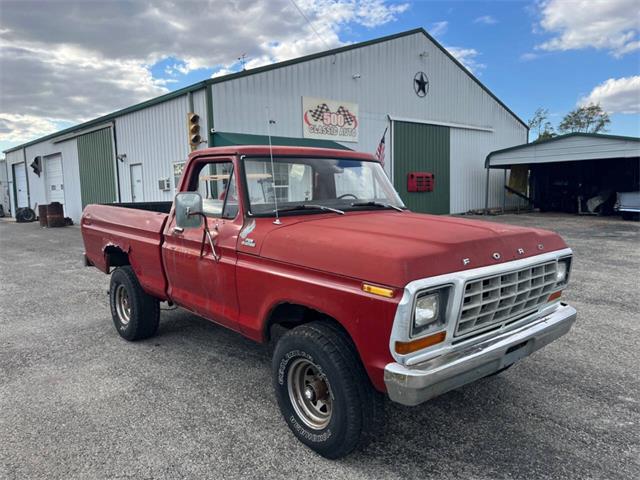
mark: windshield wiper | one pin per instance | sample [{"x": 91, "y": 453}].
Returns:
[
  {"x": 309, "y": 206},
  {"x": 375, "y": 204}
]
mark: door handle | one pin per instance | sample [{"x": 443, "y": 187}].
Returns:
[{"x": 177, "y": 230}]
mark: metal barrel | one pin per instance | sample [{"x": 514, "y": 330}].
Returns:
[
  {"x": 55, "y": 215},
  {"x": 42, "y": 215}
]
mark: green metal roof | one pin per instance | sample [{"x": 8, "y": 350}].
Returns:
[
  {"x": 224, "y": 139},
  {"x": 555, "y": 139},
  {"x": 253, "y": 71}
]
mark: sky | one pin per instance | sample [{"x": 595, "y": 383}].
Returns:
[{"x": 64, "y": 62}]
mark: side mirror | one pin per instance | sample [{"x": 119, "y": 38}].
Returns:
[{"x": 188, "y": 210}]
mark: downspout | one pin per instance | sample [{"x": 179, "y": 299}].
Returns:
[
  {"x": 210, "y": 126},
  {"x": 26, "y": 176},
  {"x": 504, "y": 192},
  {"x": 486, "y": 190},
  {"x": 115, "y": 147},
  {"x": 190, "y": 101}
]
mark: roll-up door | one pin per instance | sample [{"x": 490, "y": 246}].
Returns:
[
  {"x": 53, "y": 177},
  {"x": 20, "y": 179}
]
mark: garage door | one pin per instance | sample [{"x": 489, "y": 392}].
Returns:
[
  {"x": 20, "y": 179},
  {"x": 53, "y": 178},
  {"x": 97, "y": 172},
  {"x": 419, "y": 147}
]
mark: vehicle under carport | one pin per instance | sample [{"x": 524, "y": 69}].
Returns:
[{"x": 574, "y": 173}]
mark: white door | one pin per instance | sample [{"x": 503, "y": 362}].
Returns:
[
  {"x": 137, "y": 195},
  {"x": 53, "y": 178},
  {"x": 20, "y": 177}
]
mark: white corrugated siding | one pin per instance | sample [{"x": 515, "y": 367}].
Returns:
[
  {"x": 469, "y": 148},
  {"x": 156, "y": 137},
  {"x": 385, "y": 87}
]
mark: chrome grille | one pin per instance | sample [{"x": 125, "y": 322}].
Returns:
[{"x": 495, "y": 300}]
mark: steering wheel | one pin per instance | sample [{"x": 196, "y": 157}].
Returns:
[{"x": 345, "y": 195}]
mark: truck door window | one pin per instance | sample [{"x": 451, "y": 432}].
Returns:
[
  {"x": 231, "y": 199},
  {"x": 216, "y": 185}
]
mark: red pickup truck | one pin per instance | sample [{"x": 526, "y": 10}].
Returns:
[{"x": 313, "y": 251}]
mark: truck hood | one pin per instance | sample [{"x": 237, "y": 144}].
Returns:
[{"x": 393, "y": 248}]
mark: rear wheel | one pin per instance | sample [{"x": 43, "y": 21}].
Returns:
[
  {"x": 135, "y": 313},
  {"x": 324, "y": 394}
]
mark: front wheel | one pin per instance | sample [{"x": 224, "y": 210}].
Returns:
[
  {"x": 323, "y": 392},
  {"x": 135, "y": 313}
]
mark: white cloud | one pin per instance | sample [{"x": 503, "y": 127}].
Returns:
[
  {"x": 486, "y": 20},
  {"x": 616, "y": 95},
  {"x": 20, "y": 128},
  {"x": 467, "y": 57},
  {"x": 528, "y": 56},
  {"x": 75, "y": 60},
  {"x": 611, "y": 25},
  {"x": 439, "y": 28}
]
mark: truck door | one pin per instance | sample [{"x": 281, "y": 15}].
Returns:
[{"x": 202, "y": 283}]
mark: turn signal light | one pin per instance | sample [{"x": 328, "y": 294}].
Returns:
[
  {"x": 404, "y": 348},
  {"x": 555, "y": 296},
  {"x": 383, "y": 292}
]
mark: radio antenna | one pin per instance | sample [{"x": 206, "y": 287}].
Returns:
[{"x": 273, "y": 170}]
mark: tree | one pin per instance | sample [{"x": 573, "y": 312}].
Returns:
[
  {"x": 547, "y": 133},
  {"x": 587, "y": 119},
  {"x": 539, "y": 117},
  {"x": 542, "y": 126}
]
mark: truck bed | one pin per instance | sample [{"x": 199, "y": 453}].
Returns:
[{"x": 131, "y": 228}]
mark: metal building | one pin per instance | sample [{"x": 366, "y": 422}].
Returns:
[
  {"x": 574, "y": 173},
  {"x": 439, "y": 122}
]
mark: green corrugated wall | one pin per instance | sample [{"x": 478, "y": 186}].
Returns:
[
  {"x": 97, "y": 175},
  {"x": 422, "y": 148}
]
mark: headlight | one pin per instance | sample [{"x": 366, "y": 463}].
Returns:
[
  {"x": 430, "y": 311},
  {"x": 562, "y": 271}
]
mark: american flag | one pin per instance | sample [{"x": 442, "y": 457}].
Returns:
[{"x": 380, "y": 149}]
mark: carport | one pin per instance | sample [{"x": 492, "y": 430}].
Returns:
[{"x": 574, "y": 173}]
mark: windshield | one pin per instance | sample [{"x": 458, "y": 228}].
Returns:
[{"x": 311, "y": 182}]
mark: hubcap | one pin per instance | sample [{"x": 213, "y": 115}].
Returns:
[
  {"x": 310, "y": 394},
  {"x": 123, "y": 307}
]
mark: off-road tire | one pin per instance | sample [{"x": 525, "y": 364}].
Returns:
[
  {"x": 144, "y": 309},
  {"x": 357, "y": 409}
]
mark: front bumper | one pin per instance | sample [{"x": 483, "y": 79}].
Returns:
[{"x": 421, "y": 382}]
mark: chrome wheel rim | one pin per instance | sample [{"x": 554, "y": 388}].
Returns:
[
  {"x": 310, "y": 393},
  {"x": 123, "y": 306}
]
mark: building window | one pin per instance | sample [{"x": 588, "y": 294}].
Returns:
[{"x": 178, "y": 168}]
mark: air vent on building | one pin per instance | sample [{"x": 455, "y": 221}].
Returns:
[{"x": 164, "y": 184}]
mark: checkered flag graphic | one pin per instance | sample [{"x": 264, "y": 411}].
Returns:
[
  {"x": 349, "y": 118},
  {"x": 319, "y": 111}
]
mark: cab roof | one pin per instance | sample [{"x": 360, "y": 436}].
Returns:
[{"x": 281, "y": 151}]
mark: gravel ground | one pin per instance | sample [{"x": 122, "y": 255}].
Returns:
[{"x": 196, "y": 401}]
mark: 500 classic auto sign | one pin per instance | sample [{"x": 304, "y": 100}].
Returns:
[{"x": 330, "y": 119}]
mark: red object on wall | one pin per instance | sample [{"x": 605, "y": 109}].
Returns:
[{"x": 421, "y": 182}]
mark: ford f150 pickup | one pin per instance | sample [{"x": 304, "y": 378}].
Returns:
[{"x": 313, "y": 251}]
